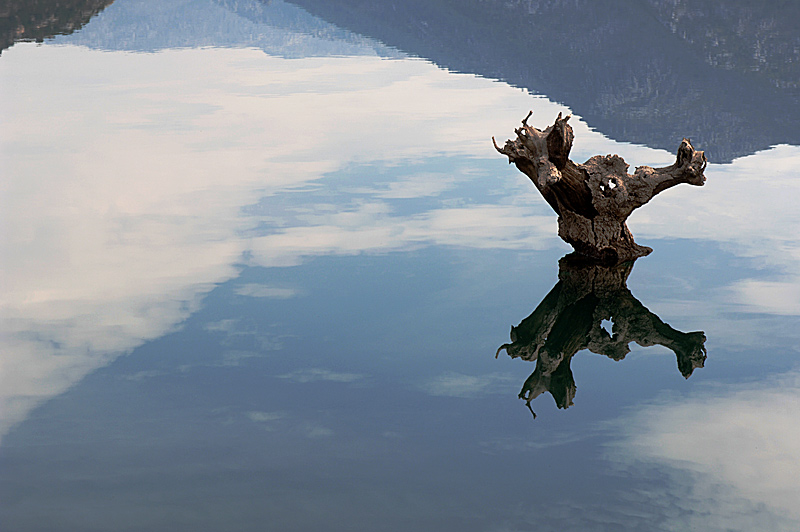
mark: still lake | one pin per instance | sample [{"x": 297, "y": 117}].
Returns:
[{"x": 258, "y": 259}]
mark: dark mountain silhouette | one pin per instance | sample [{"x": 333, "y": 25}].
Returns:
[
  {"x": 644, "y": 71},
  {"x": 277, "y": 28},
  {"x": 740, "y": 34},
  {"x": 725, "y": 74},
  {"x": 37, "y": 20}
]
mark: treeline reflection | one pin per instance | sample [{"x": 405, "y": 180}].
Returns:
[
  {"x": 642, "y": 71},
  {"x": 23, "y": 20},
  {"x": 571, "y": 318},
  {"x": 646, "y": 72}
]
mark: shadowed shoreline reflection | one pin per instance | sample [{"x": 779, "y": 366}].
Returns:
[
  {"x": 570, "y": 318},
  {"x": 36, "y": 21}
]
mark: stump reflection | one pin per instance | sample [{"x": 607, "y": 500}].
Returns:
[{"x": 570, "y": 318}]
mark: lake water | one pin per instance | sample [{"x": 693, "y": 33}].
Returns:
[{"x": 258, "y": 259}]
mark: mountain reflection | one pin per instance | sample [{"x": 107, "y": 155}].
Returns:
[
  {"x": 36, "y": 21},
  {"x": 641, "y": 71},
  {"x": 571, "y": 317}
]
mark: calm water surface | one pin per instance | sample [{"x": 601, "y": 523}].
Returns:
[{"x": 257, "y": 264}]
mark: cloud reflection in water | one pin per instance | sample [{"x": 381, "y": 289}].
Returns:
[
  {"x": 126, "y": 199},
  {"x": 124, "y": 203},
  {"x": 732, "y": 451}
]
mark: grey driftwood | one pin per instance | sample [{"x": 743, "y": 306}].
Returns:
[{"x": 594, "y": 199}]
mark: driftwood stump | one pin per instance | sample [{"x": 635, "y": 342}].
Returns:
[
  {"x": 570, "y": 318},
  {"x": 594, "y": 199}
]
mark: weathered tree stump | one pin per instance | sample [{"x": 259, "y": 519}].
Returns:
[
  {"x": 570, "y": 318},
  {"x": 594, "y": 199}
]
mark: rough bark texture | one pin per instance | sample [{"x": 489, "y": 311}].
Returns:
[
  {"x": 594, "y": 199},
  {"x": 569, "y": 319}
]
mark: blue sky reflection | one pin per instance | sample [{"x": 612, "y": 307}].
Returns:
[{"x": 311, "y": 262}]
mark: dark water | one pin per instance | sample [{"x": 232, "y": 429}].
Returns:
[{"x": 257, "y": 262}]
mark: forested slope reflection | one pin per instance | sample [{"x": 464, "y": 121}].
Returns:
[
  {"x": 277, "y": 28},
  {"x": 639, "y": 71},
  {"x": 571, "y": 318},
  {"x": 23, "y": 20}
]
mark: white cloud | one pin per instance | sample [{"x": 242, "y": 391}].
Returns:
[
  {"x": 126, "y": 178},
  {"x": 264, "y": 417},
  {"x": 425, "y": 184},
  {"x": 455, "y": 384},
  {"x": 122, "y": 204},
  {"x": 739, "y": 446},
  {"x": 772, "y": 297},
  {"x": 148, "y": 374},
  {"x": 265, "y": 291},
  {"x": 316, "y": 431},
  {"x": 226, "y": 325},
  {"x": 269, "y": 421},
  {"x": 319, "y": 374},
  {"x": 750, "y": 206},
  {"x": 372, "y": 228},
  {"x": 537, "y": 442}
]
